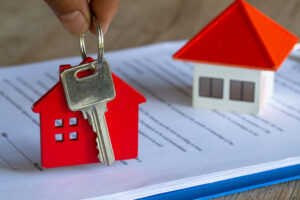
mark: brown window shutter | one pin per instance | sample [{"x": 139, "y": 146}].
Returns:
[
  {"x": 248, "y": 91},
  {"x": 217, "y": 88},
  {"x": 236, "y": 90}
]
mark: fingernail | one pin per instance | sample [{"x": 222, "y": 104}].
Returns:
[
  {"x": 74, "y": 22},
  {"x": 104, "y": 28}
]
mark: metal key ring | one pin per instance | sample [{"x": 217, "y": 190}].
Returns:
[{"x": 100, "y": 44}]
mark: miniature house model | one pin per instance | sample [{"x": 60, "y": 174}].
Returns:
[
  {"x": 68, "y": 139},
  {"x": 235, "y": 58}
]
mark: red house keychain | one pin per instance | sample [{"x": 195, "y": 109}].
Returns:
[{"x": 67, "y": 138}]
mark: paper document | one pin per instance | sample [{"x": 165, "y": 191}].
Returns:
[{"x": 179, "y": 146}]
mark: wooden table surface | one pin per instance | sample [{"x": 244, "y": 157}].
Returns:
[{"x": 30, "y": 32}]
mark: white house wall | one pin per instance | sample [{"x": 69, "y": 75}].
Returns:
[
  {"x": 227, "y": 73},
  {"x": 268, "y": 77}
]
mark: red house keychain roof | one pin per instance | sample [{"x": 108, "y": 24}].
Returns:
[{"x": 241, "y": 36}]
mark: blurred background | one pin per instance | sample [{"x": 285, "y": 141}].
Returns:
[{"x": 30, "y": 32}]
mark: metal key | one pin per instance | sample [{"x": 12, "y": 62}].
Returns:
[{"x": 90, "y": 95}]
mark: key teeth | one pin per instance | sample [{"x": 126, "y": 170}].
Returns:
[
  {"x": 99, "y": 157},
  {"x": 89, "y": 118},
  {"x": 109, "y": 162},
  {"x": 105, "y": 159}
]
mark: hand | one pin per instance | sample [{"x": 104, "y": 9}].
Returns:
[{"x": 75, "y": 14}]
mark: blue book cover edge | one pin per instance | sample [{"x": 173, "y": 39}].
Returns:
[{"x": 234, "y": 185}]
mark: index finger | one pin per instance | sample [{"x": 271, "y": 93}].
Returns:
[{"x": 104, "y": 11}]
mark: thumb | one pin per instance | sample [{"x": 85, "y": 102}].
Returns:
[{"x": 73, "y": 14}]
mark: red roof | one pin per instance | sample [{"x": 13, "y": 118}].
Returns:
[{"x": 241, "y": 36}]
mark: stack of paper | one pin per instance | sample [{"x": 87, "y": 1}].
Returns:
[{"x": 179, "y": 146}]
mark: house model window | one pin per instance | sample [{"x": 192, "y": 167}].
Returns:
[
  {"x": 73, "y": 121},
  {"x": 242, "y": 91},
  {"x": 58, "y": 123},
  {"x": 59, "y": 137},
  {"x": 73, "y": 136},
  {"x": 211, "y": 87}
]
